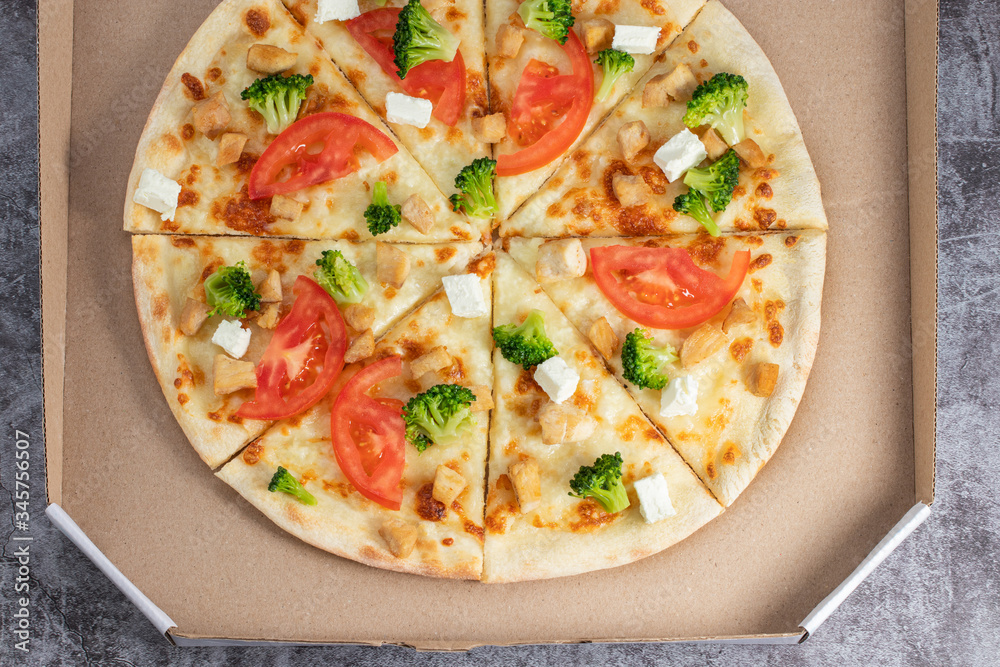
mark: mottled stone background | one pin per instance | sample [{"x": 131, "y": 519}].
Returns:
[{"x": 934, "y": 602}]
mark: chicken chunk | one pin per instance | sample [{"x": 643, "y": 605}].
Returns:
[
  {"x": 527, "y": 481},
  {"x": 359, "y": 317},
  {"x": 416, "y": 212},
  {"x": 560, "y": 260},
  {"x": 400, "y": 537},
  {"x": 484, "y": 398},
  {"x": 654, "y": 93},
  {"x": 267, "y": 318},
  {"x": 270, "y": 288},
  {"x": 211, "y": 116},
  {"x": 393, "y": 265},
  {"x": 361, "y": 347},
  {"x": 448, "y": 485},
  {"x": 562, "y": 422},
  {"x": 632, "y": 138},
  {"x": 630, "y": 190},
  {"x": 750, "y": 152},
  {"x": 739, "y": 313},
  {"x": 434, "y": 360},
  {"x": 714, "y": 145},
  {"x": 762, "y": 379},
  {"x": 229, "y": 375},
  {"x": 490, "y": 129},
  {"x": 193, "y": 316},
  {"x": 285, "y": 207},
  {"x": 509, "y": 41},
  {"x": 603, "y": 337},
  {"x": 680, "y": 83},
  {"x": 230, "y": 148},
  {"x": 703, "y": 342},
  {"x": 268, "y": 59},
  {"x": 597, "y": 34}
]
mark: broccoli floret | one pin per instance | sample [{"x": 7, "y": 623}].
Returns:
[
  {"x": 340, "y": 278},
  {"x": 642, "y": 361},
  {"x": 719, "y": 102},
  {"x": 526, "y": 344},
  {"x": 710, "y": 188},
  {"x": 552, "y": 18},
  {"x": 230, "y": 291},
  {"x": 438, "y": 416},
  {"x": 475, "y": 182},
  {"x": 277, "y": 98},
  {"x": 419, "y": 38},
  {"x": 284, "y": 482},
  {"x": 614, "y": 63},
  {"x": 602, "y": 482},
  {"x": 380, "y": 215}
]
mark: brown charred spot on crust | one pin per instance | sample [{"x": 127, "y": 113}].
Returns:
[
  {"x": 187, "y": 132},
  {"x": 161, "y": 304},
  {"x": 193, "y": 174},
  {"x": 764, "y": 191},
  {"x": 298, "y": 13},
  {"x": 410, "y": 349},
  {"x": 211, "y": 267},
  {"x": 655, "y": 179},
  {"x": 760, "y": 261},
  {"x": 475, "y": 92},
  {"x": 183, "y": 398},
  {"x": 765, "y": 174},
  {"x": 454, "y": 374},
  {"x": 454, "y": 135},
  {"x": 239, "y": 212},
  {"x": 178, "y": 382},
  {"x": 773, "y": 308},
  {"x": 182, "y": 242},
  {"x": 731, "y": 453},
  {"x": 703, "y": 64},
  {"x": 251, "y": 454},
  {"x": 710, "y": 470},
  {"x": 526, "y": 408},
  {"x": 234, "y": 419},
  {"x": 628, "y": 428},
  {"x": 187, "y": 198},
  {"x": 653, "y": 7},
  {"x": 246, "y": 162},
  {"x": 268, "y": 254},
  {"x": 169, "y": 225},
  {"x": 426, "y": 507},
  {"x": 215, "y": 416},
  {"x": 739, "y": 191},
  {"x": 473, "y": 529},
  {"x": 607, "y": 7},
  {"x": 294, "y": 247},
  {"x": 526, "y": 383},
  {"x": 357, "y": 76},
  {"x": 341, "y": 488},
  {"x": 705, "y": 249},
  {"x": 740, "y": 349},
  {"x": 754, "y": 241},
  {"x": 444, "y": 254},
  {"x": 591, "y": 516},
  {"x": 213, "y": 74},
  {"x": 555, "y": 210},
  {"x": 764, "y": 217},
  {"x": 257, "y": 21},
  {"x": 775, "y": 333},
  {"x": 757, "y": 285},
  {"x": 459, "y": 233},
  {"x": 447, "y": 541},
  {"x": 692, "y": 46},
  {"x": 790, "y": 241},
  {"x": 742, "y": 225},
  {"x": 582, "y": 401},
  {"x": 483, "y": 266},
  {"x": 193, "y": 86}
]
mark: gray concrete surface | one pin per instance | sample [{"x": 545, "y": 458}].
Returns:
[{"x": 934, "y": 602}]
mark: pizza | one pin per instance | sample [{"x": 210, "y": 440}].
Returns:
[{"x": 495, "y": 291}]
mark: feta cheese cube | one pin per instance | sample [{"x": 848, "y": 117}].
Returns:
[
  {"x": 680, "y": 398},
  {"x": 232, "y": 337},
  {"x": 683, "y": 151},
  {"x": 415, "y": 111},
  {"x": 465, "y": 294},
  {"x": 557, "y": 379},
  {"x": 157, "y": 192},
  {"x": 654, "y": 498},
  {"x": 635, "y": 38},
  {"x": 336, "y": 10}
]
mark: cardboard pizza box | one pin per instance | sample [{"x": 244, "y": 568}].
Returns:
[{"x": 853, "y": 477}]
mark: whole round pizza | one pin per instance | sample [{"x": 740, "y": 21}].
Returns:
[{"x": 500, "y": 292}]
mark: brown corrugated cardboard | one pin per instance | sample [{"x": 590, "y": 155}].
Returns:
[{"x": 858, "y": 456}]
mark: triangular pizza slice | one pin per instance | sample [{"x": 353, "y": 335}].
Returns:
[
  {"x": 384, "y": 503},
  {"x": 623, "y": 181},
  {"x": 565, "y": 440},
  {"x": 444, "y": 134},
  {"x": 722, "y": 369},
  {"x": 257, "y": 132},
  {"x": 207, "y": 364},
  {"x": 548, "y": 89}
]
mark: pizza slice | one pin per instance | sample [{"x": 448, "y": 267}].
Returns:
[
  {"x": 579, "y": 479},
  {"x": 713, "y": 337},
  {"x": 552, "y": 77},
  {"x": 257, "y": 132},
  {"x": 400, "y": 493},
  {"x": 445, "y": 130},
  {"x": 661, "y": 164},
  {"x": 224, "y": 317}
]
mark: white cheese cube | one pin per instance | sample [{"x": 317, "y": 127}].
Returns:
[
  {"x": 680, "y": 398},
  {"x": 654, "y": 498},
  {"x": 465, "y": 294},
  {"x": 635, "y": 38},
  {"x": 557, "y": 379},
  {"x": 683, "y": 151},
  {"x": 336, "y": 10},
  {"x": 415, "y": 111},
  {"x": 157, "y": 192},
  {"x": 232, "y": 337}
]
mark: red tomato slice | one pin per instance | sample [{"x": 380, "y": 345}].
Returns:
[
  {"x": 303, "y": 359},
  {"x": 661, "y": 287},
  {"x": 369, "y": 435},
  {"x": 319, "y": 148},
  {"x": 440, "y": 82},
  {"x": 543, "y": 97}
]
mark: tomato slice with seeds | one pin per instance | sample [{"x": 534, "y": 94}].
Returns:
[
  {"x": 662, "y": 288},
  {"x": 303, "y": 359},
  {"x": 316, "y": 149},
  {"x": 369, "y": 435},
  {"x": 443, "y": 83},
  {"x": 543, "y": 98}
]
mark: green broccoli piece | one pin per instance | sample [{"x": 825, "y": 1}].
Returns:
[
  {"x": 475, "y": 182},
  {"x": 719, "y": 102},
  {"x": 602, "y": 482},
  {"x": 419, "y": 38},
  {"x": 614, "y": 63},
  {"x": 710, "y": 188},
  {"x": 380, "y": 215},
  {"x": 552, "y": 18},
  {"x": 642, "y": 361},
  {"x": 277, "y": 98},
  {"x": 340, "y": 278},
  {"x": 438, "y": 416},
  {"x": 526, "y": 344},
  {"x": 230, "y": 291},
  {"x": 284, "y": 482}
]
